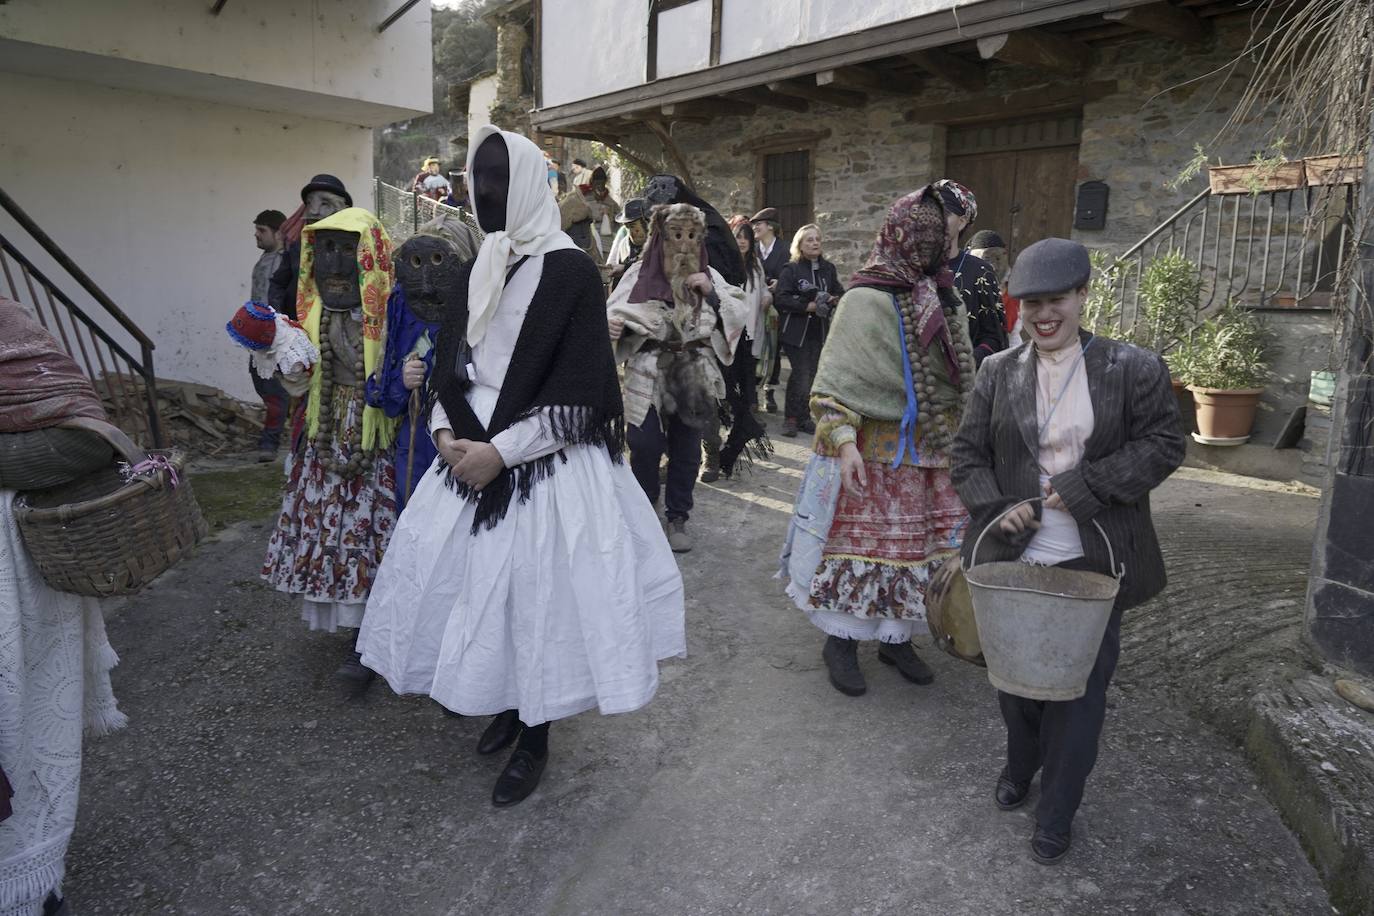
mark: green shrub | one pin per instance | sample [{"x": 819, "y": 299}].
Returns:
[
  {"x": 1170, "y": 290},
  {"x": 1100, "y": 314},
  {"x": 1228, "y": 351}
]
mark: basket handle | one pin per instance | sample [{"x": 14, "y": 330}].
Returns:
[
  {"x": 1111, "y": 555},
  {"x": 110, "y": 433}
]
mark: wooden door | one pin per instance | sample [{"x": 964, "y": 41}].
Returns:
[
  {"x": 787, "y": 184},
  {"x": 1023, "y": 174}
]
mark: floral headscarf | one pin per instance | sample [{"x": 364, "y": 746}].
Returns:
[
  {"x": 374, "y": 281},
  {"x": 958, "y": 198},
  {"x": 910, "y": 247}
]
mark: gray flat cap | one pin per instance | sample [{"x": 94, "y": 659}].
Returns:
[{"x": 1049, "y": 266}]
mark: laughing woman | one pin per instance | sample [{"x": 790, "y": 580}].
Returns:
[{"x": 1091, "y": 426}]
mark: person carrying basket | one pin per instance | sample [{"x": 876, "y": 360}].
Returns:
[{"x": 1077, "y": 429}]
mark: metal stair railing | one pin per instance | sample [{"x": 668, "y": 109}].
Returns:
[
  {"x": 1274, "y": 249},
  {"x": 127, "y": 383}
]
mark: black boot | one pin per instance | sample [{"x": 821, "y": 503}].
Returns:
[
  {"x": 842, "y": 658},
  {"x": 524, "y": 769},
  {"x": 711, "y": 472},
  {"x": 1048, "y": 848},
  {"x": 355, "y": 676},
  {"x": 1010, "y": 794},
  {"x": 771, "y": 404},
  {"x": 907, "y": 661},
  {"x": 499, "y": 733}
]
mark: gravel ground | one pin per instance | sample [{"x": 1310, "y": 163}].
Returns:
[{"x": 245, "y": 784}]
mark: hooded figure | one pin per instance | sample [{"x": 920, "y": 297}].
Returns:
[
  {"x": 339, "y": 504},
  {"x": 721, "y": 250},
  {"x": 528, "y": 579},
  {"x": 428, "y": 267}
]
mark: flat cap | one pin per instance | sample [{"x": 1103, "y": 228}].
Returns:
[
  {"x": 1049, "y": 266},
  {"x": 766, "y": 215}
]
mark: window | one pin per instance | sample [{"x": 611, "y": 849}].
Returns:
[{"x": 786, "y": 185}]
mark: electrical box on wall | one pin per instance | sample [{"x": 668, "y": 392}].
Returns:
[{"x": 1090, "y": 211}]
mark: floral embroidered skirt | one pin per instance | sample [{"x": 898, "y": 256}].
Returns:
[
  {"x": 332, "y": 531},
  {"x": 858, "y": 565}
]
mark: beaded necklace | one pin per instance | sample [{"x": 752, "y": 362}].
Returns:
[{"x": 358, "y": 462}]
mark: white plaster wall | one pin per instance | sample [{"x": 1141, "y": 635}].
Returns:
[
  {"x": 154, "y": 197},
  {"x": 325, "y": 46},
  {"x": 481, "y": 97},
  {"x": 684, "y": 39},
  {"x": 576, "y": 64},
  {"x": 750, "y": 28}
]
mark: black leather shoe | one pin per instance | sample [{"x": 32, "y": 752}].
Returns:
[
  {"x": 842, "y": 660},
  {"x": 907, "y": 662},
  {"x": 1048, "y": 848},
  {"x": 1011, "y": 795},
  {"x": 518, "y": 779},
  {"x": 499, "y": 733},
  {"x": 356, "y": 676}
]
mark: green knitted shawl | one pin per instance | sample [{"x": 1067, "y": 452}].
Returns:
[{"x": 861, "y": 365}]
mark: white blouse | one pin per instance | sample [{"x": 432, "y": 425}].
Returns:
[
  {"x": 1064, "y": 432},
  {"x": 531, "y": 437}
]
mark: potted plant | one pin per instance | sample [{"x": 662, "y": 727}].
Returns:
[{"x": 1225, "y": 364}]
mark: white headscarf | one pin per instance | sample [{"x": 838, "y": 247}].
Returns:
[{"x": 532, "y": 227}]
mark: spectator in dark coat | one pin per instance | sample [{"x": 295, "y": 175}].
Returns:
[{"x": 807, "y": 291}]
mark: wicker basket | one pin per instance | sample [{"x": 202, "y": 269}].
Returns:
[{"x": 102, "y": 536}]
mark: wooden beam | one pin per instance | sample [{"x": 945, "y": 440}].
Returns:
[
  {"x": 1042, "y": 50},
  {"x": 864, "y": 79},
  {"x": 782, "y": 142},
  {"x": 1163, "y": 19},
  {"x": 1011, "y": 104},
  {"x": 670, "y": 147},
  {"x": 951, "y": 68},
  {"x": 707, "y": 108},
  {"x": 841, "y": 98},
  {"x": 716, "y": 13},
  {"x": 761, "y": 96}
]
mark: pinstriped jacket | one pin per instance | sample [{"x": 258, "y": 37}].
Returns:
[{"x": 1136, "y": 443}]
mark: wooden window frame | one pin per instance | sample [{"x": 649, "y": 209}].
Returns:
[{"x": 662, "y": 6}]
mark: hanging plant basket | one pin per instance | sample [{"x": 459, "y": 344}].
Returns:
[{"x": 1254, "y": 178}]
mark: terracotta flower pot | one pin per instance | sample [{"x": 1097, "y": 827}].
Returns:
[{"x": 1225, "y": 417}]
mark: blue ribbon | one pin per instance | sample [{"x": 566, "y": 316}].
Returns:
[{"x": 909, "y": 416}]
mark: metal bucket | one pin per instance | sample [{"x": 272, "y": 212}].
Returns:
[{"x": 1040, "y": 626}]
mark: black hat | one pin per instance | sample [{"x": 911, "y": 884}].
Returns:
[
  {"x": 1050, "y": 266},
  {"x": 272, "y": 219},
  {"x": 328, "y": 183},
  {"x": 766, "y": 215},
  {"x": 986, "y": 238},
  {"x": 635, "y": 208}
]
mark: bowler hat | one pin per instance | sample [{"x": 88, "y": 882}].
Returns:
[
  {"x": 766, "y": 215},
  {"x": 1050, "y": 266},
  {"x": 635, "y": 208},
  {"x": 323, "y": 182}
]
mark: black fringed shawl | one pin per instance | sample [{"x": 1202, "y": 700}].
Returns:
[{"x": 562, "y": 365}]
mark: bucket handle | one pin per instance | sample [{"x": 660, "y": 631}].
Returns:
[{"x": 1111, "y": 555}]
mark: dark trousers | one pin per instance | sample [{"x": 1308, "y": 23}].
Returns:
[
  {"x": 274, "y": 398},
  {"x": 1060, "y": 738},
  {"x": 742, "y": 393},
  {"x": 777, "y": 369},
  {"x": 649, "y": 442},
  {"x": 803, "y": 361}
]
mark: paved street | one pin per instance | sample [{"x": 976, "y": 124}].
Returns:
[{"x": 245, "y": 785}]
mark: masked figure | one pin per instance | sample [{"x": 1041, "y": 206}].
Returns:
[
  {"x": 528, "y": 579},
  {"x": 675, "y": 320},
  {"x": 428, "y": 266},
  {"x": 339, "y": 504}
]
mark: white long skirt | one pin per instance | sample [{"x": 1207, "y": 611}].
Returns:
[
  {"x": 568, "y": 603},
  {"x": 54, "y": 682}
]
